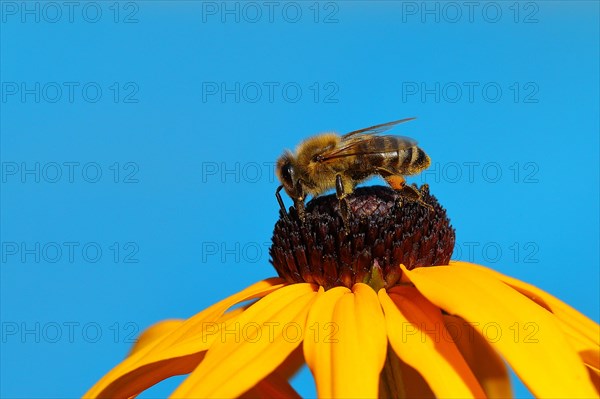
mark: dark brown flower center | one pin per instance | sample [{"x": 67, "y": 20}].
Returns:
[{"x": 383, "y": 233}]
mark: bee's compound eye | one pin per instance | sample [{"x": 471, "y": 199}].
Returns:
[{"x": 287, "y": 174}]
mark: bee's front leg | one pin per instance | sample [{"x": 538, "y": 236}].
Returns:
[
  {"x": 283, "y": 211},
  {"x": 299, "y": 205},
  {"x": 299, "y": 201},
  {"x": 344, "y": 206}
]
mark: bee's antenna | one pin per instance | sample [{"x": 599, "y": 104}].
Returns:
[{"x": 283, "y": 211}]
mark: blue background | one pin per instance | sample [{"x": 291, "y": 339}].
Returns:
[{"x": 192, "y": 206}]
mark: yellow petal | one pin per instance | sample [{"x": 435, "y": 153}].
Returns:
[
  {"x": 273, "y": 387},
  {"x": 276, "y": 385},
  {"x": 486, "y": 364},
  {"x": 595, "y": 377},
  {"x": 401, "y": 380},
  {"x": 292, "y": 364},
  {"x": 359, "y": 355},
  {"x": 346, "y": 347},
  {"x": 417, "y": 334},
  {"x": 321, "y": 332},
  {"x": 177, "y": 352},
  {"x": 583, "y": 333},
  {"x": 154, "y": 333},
  {"x": 593, "y": 369},
  {"x": 415, "y": 385},
  {"x": 545, "y": 362},
  {"x": 251, "y": 346}
]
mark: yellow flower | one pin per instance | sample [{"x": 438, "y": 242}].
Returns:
[{"x": 384, "y": 331}]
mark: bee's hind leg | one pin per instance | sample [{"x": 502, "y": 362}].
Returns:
[
  {"x": 405, "y": 191},
  {"x": 398, "y": 183},
  {"x": 344, "y": 206},
  {"x": 412, "y": 193}
]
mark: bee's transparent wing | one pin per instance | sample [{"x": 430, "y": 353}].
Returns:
[
  {"x": 366, "y": 144},
  {"x": 377, "y": 129}
]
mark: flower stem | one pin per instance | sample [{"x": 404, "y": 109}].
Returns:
[{"x": 391, "y": 384}]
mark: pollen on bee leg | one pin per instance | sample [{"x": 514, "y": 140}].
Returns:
[{"x": 395, "y": 181}]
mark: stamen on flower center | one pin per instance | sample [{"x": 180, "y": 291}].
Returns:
[{"x": 383, "y": 234}]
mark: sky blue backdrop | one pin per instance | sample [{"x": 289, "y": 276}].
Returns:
[{"x": 186, "y": 185}]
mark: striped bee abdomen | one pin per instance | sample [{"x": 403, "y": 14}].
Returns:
[
  {"x": 412, "y": 160},
  {"x": 406, "y": 161}
]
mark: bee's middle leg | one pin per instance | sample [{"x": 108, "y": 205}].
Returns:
[{"x": 341, "y": 194}]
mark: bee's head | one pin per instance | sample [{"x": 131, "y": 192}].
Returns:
[{"x": 288, "y": 176}]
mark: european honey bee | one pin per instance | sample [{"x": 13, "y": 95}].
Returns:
[{"x": 329, "y": 161}]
